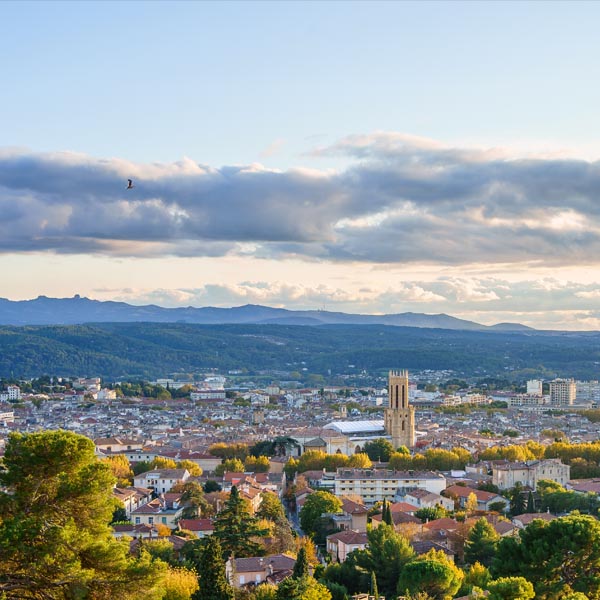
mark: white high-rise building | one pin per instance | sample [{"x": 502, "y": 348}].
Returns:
[
  {"x": 534, "y": 386},
  {"x": 563, "y": 392},
  {"x": 14, "y": 393},
  {"x": 588, "y": 391}
]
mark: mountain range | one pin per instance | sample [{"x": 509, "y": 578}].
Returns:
[{"x": 77, "y": 310}]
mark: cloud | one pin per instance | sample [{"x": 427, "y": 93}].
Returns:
[{"x": 402, "y": 199}]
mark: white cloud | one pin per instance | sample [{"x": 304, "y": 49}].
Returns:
[{"x": 404, "y": 200}]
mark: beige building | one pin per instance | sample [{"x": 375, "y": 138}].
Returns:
[
  {"x": 340, "y": 544},
  {"x": 252, "y": 571},
  {"x": 563, "y": 392},
  {"x": 506, "y": 475},
  {"x": 376, "y": 485},
  {"x": 399, "y": 416}
]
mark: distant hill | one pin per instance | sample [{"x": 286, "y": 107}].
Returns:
[
  {"x": 150, "y": 350},
  {"x": 77, "y": 310}
]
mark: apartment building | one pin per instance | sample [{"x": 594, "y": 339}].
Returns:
[
  {"x": 506, "y": 475},
  {"x": 563, "y": 392},
  {"x": 375, "y": 485}
]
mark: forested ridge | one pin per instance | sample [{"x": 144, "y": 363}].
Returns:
[{"x": 146, "y": 350}]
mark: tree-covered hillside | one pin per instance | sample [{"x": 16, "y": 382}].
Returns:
[{"x": 147, "y": 350}]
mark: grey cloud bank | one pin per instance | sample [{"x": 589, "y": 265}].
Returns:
[{"x": 401, "y": 200}]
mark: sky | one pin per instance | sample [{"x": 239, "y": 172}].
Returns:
[{"x": 364, "y": 157}]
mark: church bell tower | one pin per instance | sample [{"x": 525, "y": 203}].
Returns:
[{"x": 399, "y": 415}]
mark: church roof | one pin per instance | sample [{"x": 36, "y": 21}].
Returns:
[{"x": 356, "y": 427}]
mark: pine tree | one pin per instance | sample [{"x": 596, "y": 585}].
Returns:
[
  {"x": 481, "y": 543},
  {"x": 301, "y": 565},
  {"x": 235, "y": 527},
  {"x": 211, "y": 571},
  {"x": 56, "y": 501}
]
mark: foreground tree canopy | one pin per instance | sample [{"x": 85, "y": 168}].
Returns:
[
  {"x": 55, "y": 541},
  {"x": 558, "y": 557}
]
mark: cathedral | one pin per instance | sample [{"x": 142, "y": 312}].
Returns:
[{"x": 349, "y": 437}]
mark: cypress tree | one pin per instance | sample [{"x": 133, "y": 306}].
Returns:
[
  {"x": 301, "y": 565},
  {"x": 387, "y": 516},
  {"x": 374, "y": 591},
  {"x": 530, "y": 503}
]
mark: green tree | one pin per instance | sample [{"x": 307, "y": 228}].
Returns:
[
  {"x": 481, "y": 543},
  {"x": 346, "y": 574},
  {"x": 530, "y": 503},
  {"x": 257, "y": 464},
  {"x": 557, "y": 556},
  {"x": 517, "y": 501},
  {"x": 271, "y": 509},
  {"x": 360, "y": 460},
  {"x": 314, "y": 506},
  {"x": 211, "y": 486},
  {"x": 236, "y": 528},
  {"x": 476, "y": 576},
  {"x": 193, "y": 468},
  {"x": 211, "y": 568},
  {"x": 432, "y": 573},
  {"x": 301, "y": 565},
  {"x": 498, "y": 506},
  {"x": 160, "y": 462},
  {"x": 386, "y": 555},
  {"x": 373, "y": 589},
  {"x": 180, "y": 584},
  {"x": 305, "y": 588},
  {"x": 431, "y": 513},
  {"x": 291, "y": 468},
  {"x": 386, "y": 515},
  {"x": 510, "y": 588},
  {"x": 379, "y": 450},
  {"x": 229, "y": 465},
  {"x": 120, "y": 469},
  {"x": 54, "y": 536},
  {"x": 193, "y": 497}
]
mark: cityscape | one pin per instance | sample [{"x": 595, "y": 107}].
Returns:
[{"x": 299, "y": 300}]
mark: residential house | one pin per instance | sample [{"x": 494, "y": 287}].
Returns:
[
  {"x": 132, "y": 497},
  {"x": 402, "y": 521},
  {"x": 161, "y": 480},
  {"x": 141, "y": 531},
  {"x": 340, "y": 544},
  {"x": 462, "y": 493},
  {"x": 199, "y": 527},
  {"x": 421, "y": 498},
  {"x": 353, "y": 516},
  {"x": 166, "y": 510},
  {"x": 255, "y": 570},
  {"x": 521, "y": 521},
  {"x": 117, "y": 444}
]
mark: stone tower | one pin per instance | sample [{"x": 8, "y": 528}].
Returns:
[{"x": 399, "y": 415}]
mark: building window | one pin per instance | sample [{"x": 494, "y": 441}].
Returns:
[{"x": 150, "y": 520}]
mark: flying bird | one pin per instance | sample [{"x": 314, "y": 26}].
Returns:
[{"x": 129, "y": 184}]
